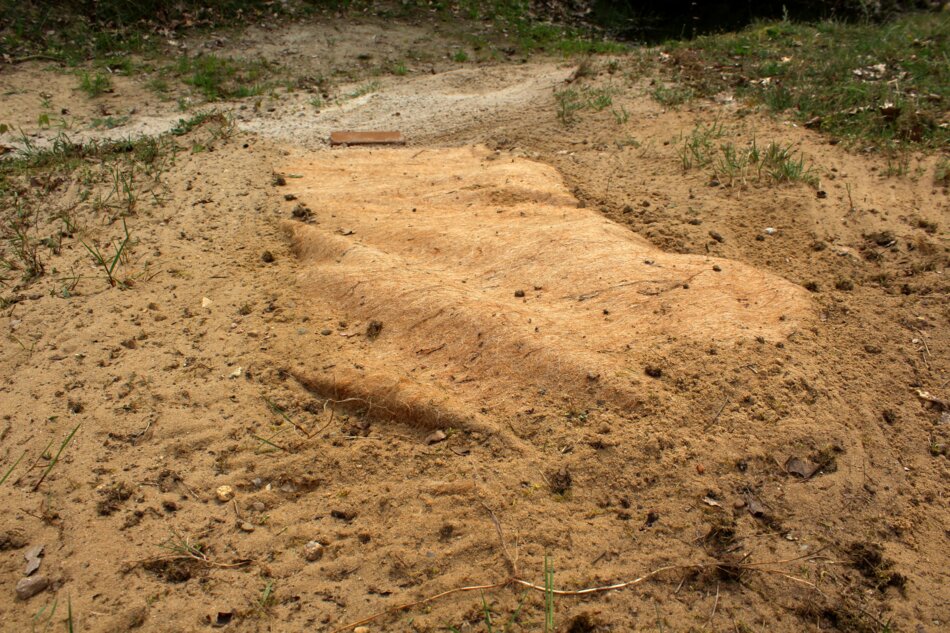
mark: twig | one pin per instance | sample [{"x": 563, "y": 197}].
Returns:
[
  {"x": 715, "y": 605},
  {"x": 580, "y": 592},
  {"x": 512, "y": 565},
  {"x": 718, "y": 413},
  {"x": 403, "y": 607}
]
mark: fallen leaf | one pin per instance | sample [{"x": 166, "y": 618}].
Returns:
[{"x": 755, "y": 507}]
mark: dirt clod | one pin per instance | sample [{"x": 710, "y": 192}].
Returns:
[
  {"x": 653, "y": 371},
  {"x": 176, "y": 570},
  {"x": 112, "y": 497},
  {"x": 561, "y": 481},
  {"x": 12, "y": 539},
  {"x": 868, "y": 558},
  {"x": 302, "y": 212},
  {"x": 373, "y": 329},
  {"x": 343, "y": 515}
]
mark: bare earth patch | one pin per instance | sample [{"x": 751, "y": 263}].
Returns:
[{"x": 435, "y": 367}]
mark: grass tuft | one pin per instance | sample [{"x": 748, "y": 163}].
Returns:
[{"x": 94, "y": 85}]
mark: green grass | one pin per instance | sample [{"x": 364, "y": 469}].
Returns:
[
  {"x": 364, "y": 89},
  {"x": 94, "y": 85},
  {"x": 73, "y": 32},
  {"x": 217, "y": 78},
  {"x": 776, "y": 164},
  {"x": 109, "y": 264},
  {"x": 698, "y": 149},
  {"x": 738, "y": 166},
  {"x": 56, "y": 457},
  {"x": 672, "y": 95},
  {"x": 571, "y": 101},
  {"x": 885, "y": 83}
]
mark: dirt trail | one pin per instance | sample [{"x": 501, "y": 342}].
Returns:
[{"x": 669, "y": 435}]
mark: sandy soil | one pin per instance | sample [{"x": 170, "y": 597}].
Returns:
[{"x": 223, "y": 370}]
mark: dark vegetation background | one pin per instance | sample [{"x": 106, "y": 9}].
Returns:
[{"x": 648, "y": 20}]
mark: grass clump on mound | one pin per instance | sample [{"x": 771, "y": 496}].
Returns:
[{"x": 883, "y": 84}]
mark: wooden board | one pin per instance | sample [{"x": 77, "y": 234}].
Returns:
[{"x": 367, "y": 138}]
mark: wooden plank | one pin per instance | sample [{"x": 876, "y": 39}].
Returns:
[{"x": 367, "y": 138}]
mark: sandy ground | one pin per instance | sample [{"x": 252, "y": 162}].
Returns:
[{"x": 218, "y": 371}]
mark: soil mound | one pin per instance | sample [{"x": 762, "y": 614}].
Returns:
[{"x": 471, "y": 278}]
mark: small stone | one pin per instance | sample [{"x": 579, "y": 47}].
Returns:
[
  {"x": 716, "y": 236},
  {"x": 361, "y": 629},
  {"x": 267, "y": 257},
  {"x": 246, "y": 527},
  {"x": 289, "y": 196},
  {"x": 519, "y": 293},
  {"x": 435, "y": 437},
  {"x": 26, "y": 588},
  {"x": 700, "y": 469},
  {"x": 717, "y": 268},
  {"x": 653, "y": 371},
  {"x": 206, "y": 302},
  {"x": 313, "y": 551},
  {"x": 769, "y": 231},
  {"x": 224, "y": 493},
  {"x": 33, "y": 557},
  {"x": 326, "y": 332},
  {"x": 258, "y": 506}
]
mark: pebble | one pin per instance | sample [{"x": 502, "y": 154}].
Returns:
[
  {"x": 361, "y": 629},
  {"x": 26, "y": 588},
  {"x": 224, "y": 493},
  {"x": 313, "y": 551},
  {"x": 258, "y": 506},
  {"x": 246, "y": 527},
  {"x": 206, "y": 302},
  {"x": 436, "y": 437}
]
